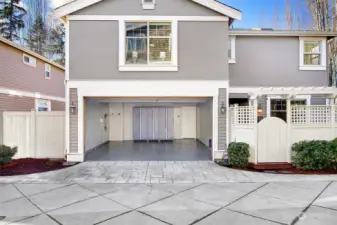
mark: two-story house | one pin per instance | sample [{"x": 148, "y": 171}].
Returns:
[
  {"x": 29, "y": 81},
  {"x": 167, "y": 70}
]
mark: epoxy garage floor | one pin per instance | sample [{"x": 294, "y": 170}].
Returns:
[{"x": 178, "y": 150}]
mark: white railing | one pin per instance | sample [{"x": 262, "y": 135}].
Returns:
[
  {"x": 243, "y": 115},
  {"x": 312, "y": 115}
]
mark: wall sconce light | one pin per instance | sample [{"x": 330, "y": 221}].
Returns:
[
  {"x": 259, "y": 108},
  {"x": 222, "y": 108},
  {"x": 72, "y": 108}
]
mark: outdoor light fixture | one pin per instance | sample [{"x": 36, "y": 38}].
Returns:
[
  {"x": 222, "y": 108},
  {"x": 72, "y": 108},
  {"x": 259, "y": 108}
]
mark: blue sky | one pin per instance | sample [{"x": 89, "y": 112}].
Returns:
[{"x": 263, "y": 13}]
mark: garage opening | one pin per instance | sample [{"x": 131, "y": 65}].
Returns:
[{"x": 148, "y": 129}]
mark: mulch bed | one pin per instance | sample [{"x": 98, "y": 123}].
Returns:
[
  {"x": 29, "y": 166},
  {"x": 286, "y": 171}
]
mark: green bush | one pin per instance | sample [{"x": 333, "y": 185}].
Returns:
[
  {"x": 315, "y": 155},
  {"x": 6, "y": 154},
  {"x": 238, "y": 154}
]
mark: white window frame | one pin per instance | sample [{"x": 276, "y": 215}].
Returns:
[
  {"x": 47, "y": 68},
  {"x": 297, "y": 97},
  {"x": 32, "y": 60},
  {"x": 148, "y": 5},
  {"x": 232, "y": 57},
  {"x": 43, "y": 100},
  {"x": 173, "y": 66},
  {"x": 323, "y": 66}
]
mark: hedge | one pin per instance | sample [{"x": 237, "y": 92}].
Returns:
[
  {"x": 315, "y": 155},
  {"x": 6, "y": 154},
  {"x": 238, "y": 154}
]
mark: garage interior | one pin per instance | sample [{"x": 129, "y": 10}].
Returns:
[{"x": 148, "y": 129}]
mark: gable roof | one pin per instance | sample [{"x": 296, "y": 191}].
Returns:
[
  {"x": 29, "y": 52},
  {"x": 214, "y": 5}
]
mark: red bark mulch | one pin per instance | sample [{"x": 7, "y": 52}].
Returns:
[{"x": 29, "y": 166}]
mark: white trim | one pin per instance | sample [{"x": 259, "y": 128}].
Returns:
[
  {"x": 211, "y": 4},
  {"x": 47, "y": 68},
  {"x": 67, "y": 30},
  {"x": 283, "y": 90},
  {"x": 323, "y": 41},
  {"x": 37, "y": 104},
  {"x": 30, "y": 94},
  {"x": 145, "y": 18},
  {"x": 232, "y": 58},
  {"x": 148, "y": 68},
  {"x": 220, "y": 8},
  {"x": 31, "y": 58},
  {"x": 67, "y": 124}
]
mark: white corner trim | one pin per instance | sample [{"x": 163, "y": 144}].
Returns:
[
  {"x": 30, "y": 94},
  {"x": 308, "y": 67},
  {"x": 148, "y": 68},
  {"x": 146, "y": 18},
  {"x": 67, "y": 30},
  {"x": 220, "y": 8},
  {"x": 211, "y": 4},
  {"x": 323, "y": 65}
]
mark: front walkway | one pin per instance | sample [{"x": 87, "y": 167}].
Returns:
[{"x": 157, "y": 172}]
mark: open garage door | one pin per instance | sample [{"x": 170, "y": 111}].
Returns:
[
  {"x": 153, "y": 123},
  {"x": 115, "y": 126}
]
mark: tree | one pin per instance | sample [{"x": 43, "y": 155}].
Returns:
[
  {"x": 11, "y": 19},
  {"x": 57, "y": 43},
  {"x": 37, "y": 36}
]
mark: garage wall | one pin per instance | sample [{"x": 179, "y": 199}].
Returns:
[
  {"x": 95, "y": 132},
  {"x": 121, "y": 126},
  {"x": 204, "y": 122}
]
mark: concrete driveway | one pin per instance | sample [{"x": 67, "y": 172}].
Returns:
[
  {"x": 302, "y": 203},
  {"x": 126, "y": 193}
]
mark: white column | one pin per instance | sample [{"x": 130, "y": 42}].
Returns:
[
  {"x": 215, "y": 127},
  {"x": 289, "y": 124},
  {"x": 333, "y": 113},
  {"x": 255, "y": 104}
]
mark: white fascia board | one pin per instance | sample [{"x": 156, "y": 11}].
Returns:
[
  {"x": 73, "y": 7},
  {"x": 211, "y": 4},
  {"x": 220, "y": 8},
  {"x": 30, "y": 94},
  {"x": 147, "y": 18}
]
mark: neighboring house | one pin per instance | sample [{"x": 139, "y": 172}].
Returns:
[
  {"x": 162, "y": 70},
  {"x": 29, "y": 81}
]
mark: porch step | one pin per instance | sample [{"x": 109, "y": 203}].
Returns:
[{"x": 268, "y": 166}]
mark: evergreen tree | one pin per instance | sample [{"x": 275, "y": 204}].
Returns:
[
  {"x": 11, "y": 19},
  {"x": 37, "y": 36},
  {"x": 57, "y": 43}
]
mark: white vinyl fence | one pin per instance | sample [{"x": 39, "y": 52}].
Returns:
[
  {"x": 271, "y": 139},
  {"x": 36, "y": 134}
]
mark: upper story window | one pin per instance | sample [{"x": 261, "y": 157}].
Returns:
[
  {"x": 148, "y": 4},
  {"x": 29, "y": 60},
  {"x": 148, "y": 46},
  {"x": 47, "y": 71},
  {"x": 312, "y": 54},
  {"x": 231, "y": 49}
]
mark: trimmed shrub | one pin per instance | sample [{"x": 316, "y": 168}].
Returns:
[
  {"x": 238, "y": 154},
  {"x": 6, "y": 154},
  {"x": 315, "y": 155}
]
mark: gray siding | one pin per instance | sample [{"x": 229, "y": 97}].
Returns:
[
  {"x": 271, "y": 61},
  {"x": 134, "y": 7},
  {"x": 73, "y": 122},
  {"x": 318, "y": 99},
  {"x": 222, "y": 139},
  {"x": 202, "y": 52}
]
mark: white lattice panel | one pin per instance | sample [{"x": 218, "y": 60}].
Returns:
[
  {"x": 243, "y": 115},
  {"x": 311, "y": 115}
]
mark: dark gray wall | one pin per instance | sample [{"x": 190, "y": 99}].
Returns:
[
  {"x": 202, "y": 52},
  {"x": 271, "y": 61},
  {"x": 134, "y": 7}
]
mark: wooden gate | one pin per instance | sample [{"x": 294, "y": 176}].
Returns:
[{"x": 272, "y": 141}]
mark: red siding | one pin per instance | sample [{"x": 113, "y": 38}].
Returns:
[{"x": 14, "y": 74}]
